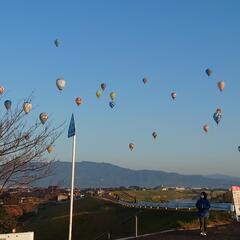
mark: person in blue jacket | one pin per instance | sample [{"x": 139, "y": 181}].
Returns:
[{"x": 203, "y": 206}]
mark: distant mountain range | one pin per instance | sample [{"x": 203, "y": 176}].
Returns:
[{"x": 92, "y": 174}]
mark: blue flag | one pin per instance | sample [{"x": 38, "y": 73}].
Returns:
[{"x": 71, "y": 129}]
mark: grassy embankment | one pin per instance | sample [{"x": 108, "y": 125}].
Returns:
[
  {"x": 94, "y": 217},
  {"x": 162, "y": 196}
]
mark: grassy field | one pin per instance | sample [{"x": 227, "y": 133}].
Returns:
[
  {"x": 93, "y": 218},
  {"x": 156, "y": 195},
  {"x": 162, "y": 196}
]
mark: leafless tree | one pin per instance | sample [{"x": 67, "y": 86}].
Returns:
[{"x": 23, "y": 148}]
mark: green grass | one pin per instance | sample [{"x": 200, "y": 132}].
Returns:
[{"x": 94, "y": 217}]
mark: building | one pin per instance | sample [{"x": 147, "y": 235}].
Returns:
[{"x": 62, "y": 197}]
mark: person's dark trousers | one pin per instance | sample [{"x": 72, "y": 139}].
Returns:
[{"x": 203, "y": 224}]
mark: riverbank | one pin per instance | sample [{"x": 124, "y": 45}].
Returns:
[{"x": 95, "y": 218}]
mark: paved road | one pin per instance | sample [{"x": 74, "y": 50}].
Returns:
[{"x": 227, "y": 232}]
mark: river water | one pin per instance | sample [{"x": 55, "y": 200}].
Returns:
[{"x": 184, "y": 204}]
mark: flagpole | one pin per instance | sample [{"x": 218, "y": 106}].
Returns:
[{"x": 72, "y": 186}]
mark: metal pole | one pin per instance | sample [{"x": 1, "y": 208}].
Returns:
[
  {"x": 136, "y": 226},
  {"x": 72, "y": 186}
]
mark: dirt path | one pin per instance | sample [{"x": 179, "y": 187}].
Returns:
[{"x": 226, "y": 232}]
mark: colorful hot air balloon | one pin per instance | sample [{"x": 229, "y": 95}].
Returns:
[
  {"x": 145, "y": 80},
  {"x": 206, "y": 128},
  {"x": 7, "y": 104},
  {"x": 98, "y": 94},
  {"x": 208, "y": 72},
  {"x": 78, "y": 101},
  {"x": 173, "y": 95},
  {"x": 50, "y": 149},
  {"x": 27, "y": 107},
  {"x": 154, "y": 134},
  {"x": 112, "y": 104},
  {"x": 221, "y": 85},
  {"x": 43, "y": 117},
  {"x": 131, "y": 146},
  {"x": 113, "y": 95},
  {"x": 2, "y": 89},
  {"x": 60, "y": 82},
  {"x": 103, "y": 86},
  {"x": 57, "y": 42}
]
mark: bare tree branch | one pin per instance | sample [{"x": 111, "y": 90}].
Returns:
[{"x": 23, "y": 145}]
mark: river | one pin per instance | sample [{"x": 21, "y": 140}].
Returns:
[{"x": 183, "y": 204}]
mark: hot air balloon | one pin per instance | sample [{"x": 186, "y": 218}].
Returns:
[
  {"x": 173, "y": 95},
  {"x": 217, "y": 117},
  {"x": 221, "y": 85},
  {"x": 103, "y": 86},
  {"x": 98, "y": 94},
  {"x": 26, "y": 136},
  {"x": 206, "y": 128},
  {"x": 239, "y": 148},
  {"x": 60, "y": 83},
  {"x": 57, "y": 42},
  {"x": 78, "y": 101},
  {"x": 112, "y": 104},
  {"x": 50, "y": 149},
  {"x": 154, "y": 134},
  {"x": 131, "y": 146},
  {"x": 2, "y": 89},
  {"x": 43, "y": 118},
  {"x": 145, "y": 80},
  {"x": 113, "y": 95},
  {"x": 7, "y": 104},
  {"x": 27, "y": 107},
  {"x": 208, "y": 72}
]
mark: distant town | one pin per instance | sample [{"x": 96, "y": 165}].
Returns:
[{"x": 21, "y": 201}]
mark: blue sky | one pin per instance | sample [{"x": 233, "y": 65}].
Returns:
[{"x": 120, "y": 42}]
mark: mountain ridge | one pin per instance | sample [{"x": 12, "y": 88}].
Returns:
[{"x": 101, "y": 174}]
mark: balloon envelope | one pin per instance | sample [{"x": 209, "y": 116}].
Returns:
[
  {"x": 43, "y": 117},
  {"x": 206, "y": 128},
  {"x": 2, "y": 89},
  {"x": 131, "y": 146},
  {"x": 27, "y": 107},
  {"x": 208, "y": 71},
  {"x": 145, "y": 80},
  {"x": 57, "y": 42},
  {"x": 103, "y": 86},
  {"x": 113, "y": 95},
  {"x": 112, "y": 104},
  {"x": 98, "y": 94},
  {"x": 50, "y": 149},
  {"x": 60, "y": 83},
  {"x": 26, "y": 136},
  {"x": 7, "y": 104},
  {"x": 154, "y": 134},
  {"x": 217, "y": 117},
  {"x": 78, "y": 101},
  {"x": 221, "y": 85},
  {"x": 173, "y": 95}
]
